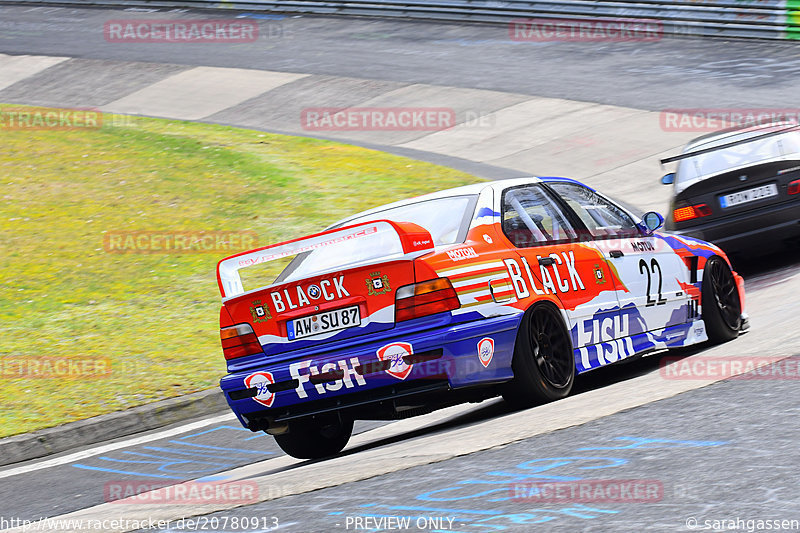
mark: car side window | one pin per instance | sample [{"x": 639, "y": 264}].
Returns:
[
  {"x": 532, "y": 218},
  {"x": 602, "y": 218}
]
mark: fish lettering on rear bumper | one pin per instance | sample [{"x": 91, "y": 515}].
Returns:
[{"x": 349, "y": 379}]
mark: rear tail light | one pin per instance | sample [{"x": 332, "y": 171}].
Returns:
[
  {"x": 794, "y": 187},
  {"x": 425, "y": 298},
  {"x": 690, "y": 212},
  {"x": 239, "y": 341}
]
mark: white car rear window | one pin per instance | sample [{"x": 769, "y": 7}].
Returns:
[
  {"x": 446, "y": 219},
  {"x": 746, "y": 154}
]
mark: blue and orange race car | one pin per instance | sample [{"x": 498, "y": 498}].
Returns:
[{"x": 500, "y": 288}]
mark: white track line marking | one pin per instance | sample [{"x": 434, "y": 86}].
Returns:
[{"x": 91, "y": 452}]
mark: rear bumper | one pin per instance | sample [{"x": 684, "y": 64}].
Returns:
[
  {"x": 761, "y": 229},
  {"x": 352, "y": 375}
]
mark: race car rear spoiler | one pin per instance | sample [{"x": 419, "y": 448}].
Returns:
[
  {"x": 359, "y": 244},
  {"x": 728, "y": 145}
]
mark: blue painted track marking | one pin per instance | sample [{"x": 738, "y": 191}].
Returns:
[
  {"x": 197, "y": 453},
  {"x": 638, "y": 442},
  {"x": 101, "y": 469},
  {"x": 220, "y": 448},
  {"x": 434, "y": 509}
]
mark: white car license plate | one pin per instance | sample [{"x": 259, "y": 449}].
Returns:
[
  {"x": 750, "y": 195},
  {"x": 299, "y": 328}
]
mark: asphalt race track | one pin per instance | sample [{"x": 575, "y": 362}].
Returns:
[
  {"x": 645, "y": 75},
  {"x": 658, "y": 444},
  {"x": 713, "y": 452}
]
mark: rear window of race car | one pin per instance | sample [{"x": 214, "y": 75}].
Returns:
[
  {"x": 446, "y": 219},
  {"x": 780, "y": 146}
]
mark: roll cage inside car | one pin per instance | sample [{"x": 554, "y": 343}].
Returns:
[{"x": 558, "y": 219}]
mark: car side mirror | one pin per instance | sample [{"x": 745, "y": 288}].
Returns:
[
  {"x": 652, "y": 221},
  {"x": 668, "y": 179}
]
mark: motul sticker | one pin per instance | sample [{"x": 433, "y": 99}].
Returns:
[
  {"x": 486, "y": 350},
  {"x": 462, "y": 253},
  {"x": 261, "y": 380},
  {"x": 395, "y": 352}
]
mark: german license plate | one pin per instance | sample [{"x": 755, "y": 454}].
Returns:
[
  {"x": 750, "y": 195},
  {"x": 307, "y": 326}
]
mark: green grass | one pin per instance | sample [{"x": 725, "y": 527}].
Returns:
[{"x": 155, "y": 316}]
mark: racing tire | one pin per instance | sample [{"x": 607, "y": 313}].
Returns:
[
  {"x": 316, "y": 437},
  {"x": 721, "y": 307},
  {"x": 543, "y": 362}
]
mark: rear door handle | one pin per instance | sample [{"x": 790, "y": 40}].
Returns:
[
  {"x": 616, "y": 253},
  {"x": 547, "y": 261}
]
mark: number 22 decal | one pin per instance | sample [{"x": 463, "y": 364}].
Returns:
[{"x": 651, "y": 270}]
